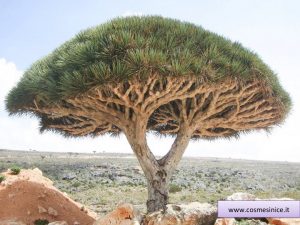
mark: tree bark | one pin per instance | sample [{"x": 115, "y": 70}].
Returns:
[
  {"x": 157, "y": 172},
  {"x": 156, "y": 176},
  {"x": 158, "y": 191},
  {"x": 171, "y": 160}
]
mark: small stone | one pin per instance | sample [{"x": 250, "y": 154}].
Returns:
[
  {"x": 241, "y": 196},
  {"x": 58, "y": 223},
  {"x": 41, "y": 196},
  {"x": 52, "y": 211},
  {"x": 11, "y": 222},
  {"x": 11, "y": 195},
  {"x": 38, "y": 171},
  {"x": 42, "y": 209},
  {"x": 69, "y": 176},
  {"x": 225, "y": 221}
]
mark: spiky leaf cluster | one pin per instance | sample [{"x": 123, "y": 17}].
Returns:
[{"x": 137, "y": 47}]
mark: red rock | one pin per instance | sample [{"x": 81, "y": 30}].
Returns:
[
  {"x": 194, "y": 213},
  {"x": 284, "y": 221},
  {"x": 225, "y": 221},
  {"x": 29, "y": 196},
  {"x": 124, "y": 214}
]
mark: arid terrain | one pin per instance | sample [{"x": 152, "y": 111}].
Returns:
[{"x": 101, "y": 180}]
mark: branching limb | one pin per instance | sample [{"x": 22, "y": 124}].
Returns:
[{"x": 170, "y": 161}]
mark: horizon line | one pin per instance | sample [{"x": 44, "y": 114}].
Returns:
[{"x": 157, "y": 156}]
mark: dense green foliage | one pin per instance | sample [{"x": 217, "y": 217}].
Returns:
[
  {"x": 2, "y": 178},
  {"x": 41, "y": 222},
  {"x": 137, "y": 46},
  {"x": 15, "y": 170}
]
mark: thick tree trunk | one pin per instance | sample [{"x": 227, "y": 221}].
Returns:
[
  {"x": 156, "y": 176},
  {"x": 158, "y": 191}
]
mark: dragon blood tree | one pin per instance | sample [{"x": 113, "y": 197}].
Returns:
[{"x": 151, "y": 74}]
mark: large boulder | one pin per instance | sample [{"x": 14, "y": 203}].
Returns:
[
  {"x": 124, "y": 214},
  {"x": 284, "y": 221},
  {"x": 29, "y": 196},
  {"x": 225, "y": 221},
  {"x": 194, "y": 213}
]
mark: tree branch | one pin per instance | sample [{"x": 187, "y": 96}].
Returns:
[
  {"x": 170, "y": 161},
  {"x": 136, "y": 136}
]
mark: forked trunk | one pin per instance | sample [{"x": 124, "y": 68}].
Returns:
[{"x": 157, "y": 172}]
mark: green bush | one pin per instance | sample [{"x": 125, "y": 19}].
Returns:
[
  {"x": 2, "y": 178},
  {"x": 174, "y": 188},
  {"x": 41, "y": 222},
  {"x": 15, "y": 170},
  {"x": 76, "y": 184}
]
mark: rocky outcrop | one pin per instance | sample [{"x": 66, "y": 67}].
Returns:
[
  {"x": 124, "y": 214},
  {"x": 284, "y": 221},
  {"x": 29, "y": 196},
  {"x": 180, "y": 214},
  {"x": 225, "y": 221},
  {"x": 191, "y": 214}
]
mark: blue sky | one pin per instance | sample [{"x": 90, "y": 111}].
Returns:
[{"x": 31, "y": 29}]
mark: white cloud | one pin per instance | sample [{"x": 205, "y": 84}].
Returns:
[{"x": 9, "y": 76}]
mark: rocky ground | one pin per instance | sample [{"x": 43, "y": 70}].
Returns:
[{"x": 102, "y": 181}]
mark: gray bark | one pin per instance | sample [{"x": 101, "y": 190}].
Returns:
[
  {"x": 158, "y": 191},
  {"x": 171, "y": 160},
  {"x": 157, "y": 172}
]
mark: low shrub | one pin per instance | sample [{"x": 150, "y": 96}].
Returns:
[
  {"x": 15, "y": 170},
  {"x": 76, "y": 184},
  {"x": 2, "y": 178},
  {"x": 174, "y": 188},
  {"x": 41, "y": 222}
]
